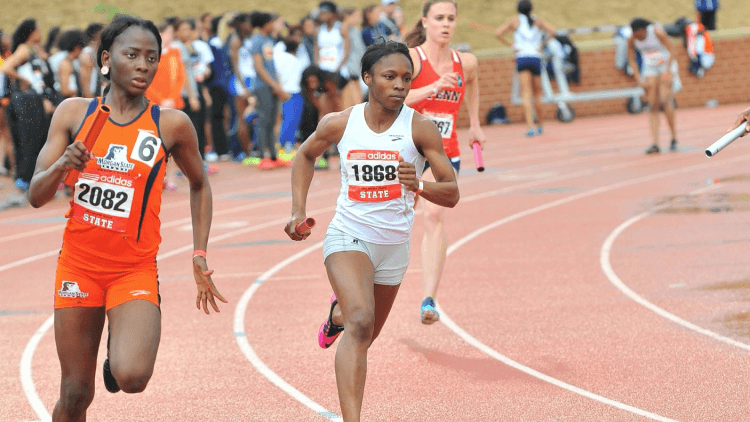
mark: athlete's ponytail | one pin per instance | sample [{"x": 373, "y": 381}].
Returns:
[
  {"x": 524, "y": 8},
  {"x": 418, "y": 34}
]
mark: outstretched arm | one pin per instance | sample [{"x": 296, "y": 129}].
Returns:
[
  {"x": 176, "y": 126},
  {"x": 471, "y": 71}
]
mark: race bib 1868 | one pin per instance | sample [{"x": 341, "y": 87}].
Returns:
[
  {"x": 373, "y": 175},
  {"x": 103, "y": 200}
]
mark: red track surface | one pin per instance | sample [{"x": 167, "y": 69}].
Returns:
[{"x": 525, "y": 282}]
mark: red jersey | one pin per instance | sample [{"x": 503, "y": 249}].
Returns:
[
  {"x": 443, "y": 107},
  {"x": 113, "y": 218}
]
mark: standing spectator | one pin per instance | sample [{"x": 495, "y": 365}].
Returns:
[
  {"x": 204, "y": 27},
  {"x": 333, "y": 49},
  {"x": 7, "y": 163},
  {"x": 166, "y": 88},
  {"x": 352, "y": 25},
  {"x": 72, "y": 43},
  {"x": 218, "y": 88},
  {"x": 90, "y": 78},
  {"x": 31, "y": 84},
  {"x": 290, "y": 68},
  {"x": 310, "y": 35},
  {"x": 393, "y": 17},
  {"x": 243, "y": 79},
  {"x": 195, "y": 106},
  {"x": 267, "y": 89},
  {"x": 705, "y": 11},
  {"x": 372, "y": 27},
  {"x": 201, "y": 60},
  {"x": 53, "y": 36}
]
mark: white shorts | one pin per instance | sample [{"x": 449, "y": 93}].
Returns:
[{"x": 390, "y": 261}]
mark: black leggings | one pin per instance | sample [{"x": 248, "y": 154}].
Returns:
[
  {"x": 219, "y": 100},
  {"x": 29, "y": 125}
]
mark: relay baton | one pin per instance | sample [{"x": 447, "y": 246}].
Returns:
[
  {"x": 305, "y": 225},
  {"x": 478, "y": 156},
  {"x": 89, "y": 139},
  {"x": 725, "y": 140}
]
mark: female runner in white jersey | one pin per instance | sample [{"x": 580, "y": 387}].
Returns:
[
  {"x": 383, "y": 145},
  {"x": 442, "y": 77},
  {"x": 655, "y": 76}
]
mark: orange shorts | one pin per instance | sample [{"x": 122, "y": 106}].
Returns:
[{"x": 76, "y": 287}]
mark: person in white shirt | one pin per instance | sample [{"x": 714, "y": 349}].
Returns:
[
  {"x": 655, "y": 76},
  {"x": 383, "y": 145},
  {"x": 289, "y": 71}
]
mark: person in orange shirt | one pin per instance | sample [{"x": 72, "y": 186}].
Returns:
[
  {"x": 107, "y": 264},
  {"x": 166, "y": 88}
]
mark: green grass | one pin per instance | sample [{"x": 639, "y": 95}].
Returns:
[{"x": 490, "y": 13}]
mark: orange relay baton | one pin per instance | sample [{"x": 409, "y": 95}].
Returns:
[
  {"x": 305, "y": 225},
  {"x": 89, "y": 139}
]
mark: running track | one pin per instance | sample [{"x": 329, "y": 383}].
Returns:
[{"x": 586, "y": 282}]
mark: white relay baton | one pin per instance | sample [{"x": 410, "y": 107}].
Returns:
[{"x": 726, "y": 140}]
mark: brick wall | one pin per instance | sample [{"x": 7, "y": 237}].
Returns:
[{"x": 727, "y": 82}]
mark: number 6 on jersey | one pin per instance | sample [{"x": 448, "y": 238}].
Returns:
[{"x": 146, "y": 148}]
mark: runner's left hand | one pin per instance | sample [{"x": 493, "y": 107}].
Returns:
[
  {"x": 407, "y": 175},
  {"x": 207, "y": 292},
  {"x": 476, "y": 134}
]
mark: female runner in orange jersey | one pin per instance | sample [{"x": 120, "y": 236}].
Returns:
[
  {"x": 107, "y": 264},
  {"x": 443, "y": 77}
]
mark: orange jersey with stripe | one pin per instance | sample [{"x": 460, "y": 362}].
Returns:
[
  {"x": 114, "y": 213},
  {"x": 442, "y": 108}
]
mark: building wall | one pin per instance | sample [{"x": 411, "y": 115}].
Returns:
[{"x": 727, "y": 82}]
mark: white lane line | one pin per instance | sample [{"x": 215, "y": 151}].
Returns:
[
  {"x": 448, "y": 322},
  {"x": 240, "y": 336},
  {"x": 496, "y": 355},
  {"x": 26, "y": 374},
  {"x": 27, "y": 380},
  {"x": 604, "y": 260}
]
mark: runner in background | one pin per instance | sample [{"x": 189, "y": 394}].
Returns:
[
  {"x": 443, "y": 77},
  {"x": 528, "y": 42},
  {"x": 655, "y": 76}
]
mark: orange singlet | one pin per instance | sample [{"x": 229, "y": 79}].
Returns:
[
  {"x": 443, "y": 108},
  {"x": 112, "y": 236}
]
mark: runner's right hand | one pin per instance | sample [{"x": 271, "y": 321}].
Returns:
[
  {"x": 447, "y": 80},
  {"x": 75, "y": 157},
  {"x": 289, "y": 229},
  {"x": 742, "y": 117}
]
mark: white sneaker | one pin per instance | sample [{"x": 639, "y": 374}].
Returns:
[{"x": 212, "y": 157}]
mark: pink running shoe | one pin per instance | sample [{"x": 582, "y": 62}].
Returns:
[{"x": 329, "y": 332}]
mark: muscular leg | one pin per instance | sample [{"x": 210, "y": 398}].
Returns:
[
  {"x": 78, "y": 332},
  {"x": 434, "y": 243},
  {"x": 363, "y": 309},
  {"x": 134, "y": 333},
  {"x": 525, "y": 79}
]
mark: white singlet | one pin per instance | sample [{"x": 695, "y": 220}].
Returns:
[
  {"x": 527, "y": 39},
  {"x": 373, "y": 205},
  {"x": 654, "y": 53},
  {"x": 331, "y": 49}
]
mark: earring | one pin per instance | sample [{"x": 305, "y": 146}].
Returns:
[{"x": 105, "y": 70}]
